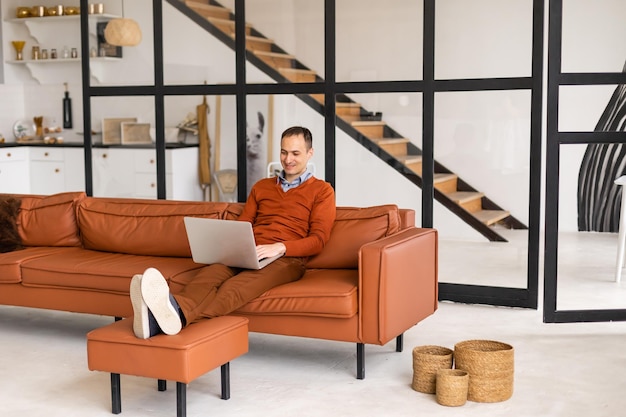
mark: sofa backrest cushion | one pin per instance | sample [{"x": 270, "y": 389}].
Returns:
[
  {"x": 353, "y": 228},
  {"x": 49, "y": 220},
  {"x": 140, "y": 227}
]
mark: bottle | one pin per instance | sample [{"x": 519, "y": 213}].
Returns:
[{"x": 67, "y": 109}]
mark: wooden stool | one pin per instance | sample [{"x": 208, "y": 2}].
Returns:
[{"x": 197, "y": 349}]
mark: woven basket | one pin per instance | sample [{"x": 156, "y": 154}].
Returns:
[
  {"x": 490, "y": 368},
  {"x": 427, "y": 360},
  {"x": 452, "y": 386}
]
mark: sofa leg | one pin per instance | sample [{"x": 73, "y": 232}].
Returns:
[
  {"x": 181, "y": 399},
  {"x": 225, "y": 370},
  {"x": 162, "y": 385},
  {"x": 116, "y": 397},
  {"x": 400, "y": 343},
  {"x": 360, "y": 361}
]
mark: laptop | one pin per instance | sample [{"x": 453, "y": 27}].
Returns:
[{"x": 227, "y": 242}]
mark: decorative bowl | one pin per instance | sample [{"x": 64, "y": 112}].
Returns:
[
  {"x": 71, "y": 10},
  {"x": 22, "y": 12}
]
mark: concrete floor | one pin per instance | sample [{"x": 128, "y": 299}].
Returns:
[{"x": 560, "y": 369}]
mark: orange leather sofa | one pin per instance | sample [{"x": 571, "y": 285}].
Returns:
[{"x": 375, "y": 279}]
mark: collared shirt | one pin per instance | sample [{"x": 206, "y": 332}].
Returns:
[{"x": 286, "y": 185}]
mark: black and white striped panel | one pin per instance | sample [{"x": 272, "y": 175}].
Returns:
[{"x": 598, "y": 196}]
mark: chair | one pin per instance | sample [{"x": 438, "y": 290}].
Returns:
[
  {"x": 274, "y": 167},
  {"x": 226, "y": 180},
  {"x": 621, "y": 240}
]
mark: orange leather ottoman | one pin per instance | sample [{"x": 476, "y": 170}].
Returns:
[{"x": 197, "y": 349}]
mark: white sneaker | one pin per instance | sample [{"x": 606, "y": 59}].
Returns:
[
  {"x": 141, "y": 319},
  {"x": 156, "y": 295}
]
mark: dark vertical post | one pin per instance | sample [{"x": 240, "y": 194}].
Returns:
[
  {"x": 329, "y": 91},
  {"x": 428, "y": 111},
  {"x": 85, "y": 74},
  {"x": 240, "y": 68},
  {"x": 536, "y": 130},
  {"x": 552, "y": 161},
  {"x": 159, "y": 99}
]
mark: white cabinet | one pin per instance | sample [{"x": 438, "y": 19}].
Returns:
[
  {"x": 113, "y": 172},
  {"x": 128, "y": 172},
  {"x": 14, "y": 173},
  {"x": 47, "y": 171},
  {"x": 41, "y": 169}
]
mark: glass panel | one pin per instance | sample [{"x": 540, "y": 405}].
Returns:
[
  {"x": 290, "y": 110},
  {"x": 589, "y": 204},
  {"x": 483, "y": 38},
  {"x": 124, "y": 157},
  {"x": 288, "y": 36},
  {"x": 581, "y": 108},
  {"x": 136, "y": 66},
  {"x": 363, "y": 177},
  {"x": 379, "y": 41},
  {"x": 593, "y": 34},
  {"x": 195, "y": 55},
  {"x": 482, "y": 154}
]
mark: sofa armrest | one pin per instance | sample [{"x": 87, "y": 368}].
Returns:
[{"x": 397, "y": 283}]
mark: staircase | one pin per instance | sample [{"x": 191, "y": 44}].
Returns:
[{"x": 367, "y": 128}]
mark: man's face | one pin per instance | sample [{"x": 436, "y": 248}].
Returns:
[{"x": 294, "y": 156}]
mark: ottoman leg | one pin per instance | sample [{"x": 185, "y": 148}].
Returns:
[
  {"x": 116, "y": 398},
  {"x": 225, "y": 369},
  {"x": 181, "y": 399}
]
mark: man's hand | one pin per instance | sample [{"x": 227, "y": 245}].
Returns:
[{"x": 268, "y": 251}]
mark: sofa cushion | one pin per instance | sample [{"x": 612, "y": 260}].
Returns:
[
  {"x": 140, "y": 227},
  {"x": 233, "y": 211},
  {"x": 353, "y": 228},
  {"x": 49, "y": 220},
  {"x": 11, "y": 262},
  {"x": 83, "y": 269},
  {"x": 10, "y": 239},
  {"x": 322, "y": 293}
]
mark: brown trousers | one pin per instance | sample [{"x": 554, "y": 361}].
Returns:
[{"x": 218, "y": 289}]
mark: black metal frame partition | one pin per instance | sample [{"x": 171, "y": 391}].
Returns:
[
  {"x": 555, "y": 139},
  {"x": 517, "y": 297}
]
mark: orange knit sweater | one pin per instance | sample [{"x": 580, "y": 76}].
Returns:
[{"x": 301, "y": 218}]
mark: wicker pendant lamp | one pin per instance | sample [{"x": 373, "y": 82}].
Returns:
[{"x": 122, "y": 31}]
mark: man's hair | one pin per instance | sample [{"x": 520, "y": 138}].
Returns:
[{"x": 299, "y": 130}]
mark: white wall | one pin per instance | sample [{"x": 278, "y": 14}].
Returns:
[{"x": 375, "y": 41}]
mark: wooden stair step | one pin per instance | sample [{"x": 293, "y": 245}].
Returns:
[
  {"x": 258, "y": 43},
  {"x": 318, "y": 97},
  {"x": 208, "y": 10},
  {"x": 228, "y": 26},
  {"x": 276, "y": 59},
  {"x": 469, "y": 200},
  {"x": 350, "y": 112},
  {"x": 371, "y": 129},
  {"x": 413, "y": 162},
  {"x": 445, "y": 182},
  {"x": 297, "y": 75},
  {"x": 394, "y": 146},
  {"x": 491, "y": 217}
]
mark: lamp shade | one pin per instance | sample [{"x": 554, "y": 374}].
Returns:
[{"x": 122, "y": 32}]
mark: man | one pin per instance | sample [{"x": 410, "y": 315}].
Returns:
[{"x": 291, "y": 214}]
